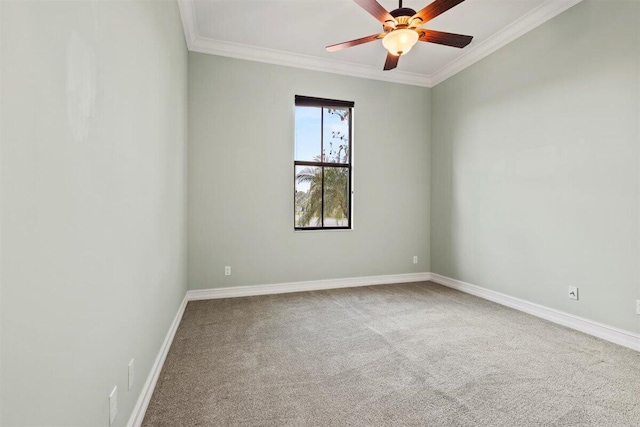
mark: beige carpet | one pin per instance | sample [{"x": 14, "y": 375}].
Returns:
[{"x": 411, "y": 354}]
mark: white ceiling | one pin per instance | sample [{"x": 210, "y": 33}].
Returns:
[{"x": 296, "y": 32}]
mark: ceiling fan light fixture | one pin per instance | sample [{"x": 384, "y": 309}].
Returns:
[
  {"x": 401, "y": 29},
  {"x": 399, "y": 42}
]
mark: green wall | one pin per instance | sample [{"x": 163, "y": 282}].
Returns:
[
  {"x": 535, "y": 166},
  {"x": 520, "y": 174},
  {"x": 93, "y": 163},
  {"x": 241, "y": 143}
]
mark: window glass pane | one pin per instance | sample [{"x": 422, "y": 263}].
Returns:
[
  {"x": 336, "y": 197},
  {"x": 336, "y": 135},
  {"x": 308, "y": 204},
  {"x": 308, "y": 133},
  {"x": 322, "y": 163}
]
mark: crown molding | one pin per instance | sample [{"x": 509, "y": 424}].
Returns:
[
  {"x": 475, "y": 53},
  {"x": 189, "y": 22},
  {"x": 288, "y": 59},
  {"x": 533, "y": 19}
]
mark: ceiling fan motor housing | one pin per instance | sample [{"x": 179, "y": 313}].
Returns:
[
  {"x": 402, "y": 16},
  {"x": 403, "y": 11},
  {"x": 402, "y": 29}
]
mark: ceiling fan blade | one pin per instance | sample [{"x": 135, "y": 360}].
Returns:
[
  {"x": 434, "y": 9},
  {"x": 355, "y": 42},
  {"x": 391, "y": 62},
  {"x": 447, "y": 39},
  {"x": 376, "y": 9}
]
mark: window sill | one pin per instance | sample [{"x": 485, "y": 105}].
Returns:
[{"x": 322, "y": 230}]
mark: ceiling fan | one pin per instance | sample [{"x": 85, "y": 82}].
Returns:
[{"x": 401, "y": 29}]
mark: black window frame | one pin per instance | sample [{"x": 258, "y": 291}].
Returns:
[{"x": 308, "y": 101}]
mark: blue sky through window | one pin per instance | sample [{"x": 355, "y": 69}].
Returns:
[{"x": 308, "y": 123}]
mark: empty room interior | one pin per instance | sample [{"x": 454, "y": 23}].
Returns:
[{"x": 319, "y": 213}]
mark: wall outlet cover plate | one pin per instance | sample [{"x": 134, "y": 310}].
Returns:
[
  {"x": 131, "y": 372},
  {"x": 573, "y": 292},
  {"x": 113, "y": 405}
]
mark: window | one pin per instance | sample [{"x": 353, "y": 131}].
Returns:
[{"x": 322, "y": 164}]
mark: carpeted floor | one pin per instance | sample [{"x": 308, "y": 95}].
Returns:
[{"x": 412, "y": 354}]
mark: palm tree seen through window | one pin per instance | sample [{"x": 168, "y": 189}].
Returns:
[{"x": 323, "y": 158}]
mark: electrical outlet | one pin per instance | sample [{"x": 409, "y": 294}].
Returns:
[
  {"x": 415, "y": 259},
  {"x": 113, "y": 405},
  {"x": 227, "y": 270},
  {"x": 638, "y": 306},
  {"x": 573, "y": 292},
  {"x": 131, "y": 373}
]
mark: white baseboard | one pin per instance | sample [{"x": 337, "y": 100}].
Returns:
[
  {"x": 608, "y": 333},
  {"x": 314, "y": 285},
  {"x": 605, "y": 332},
  {"x": 135, "y": 420}
]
